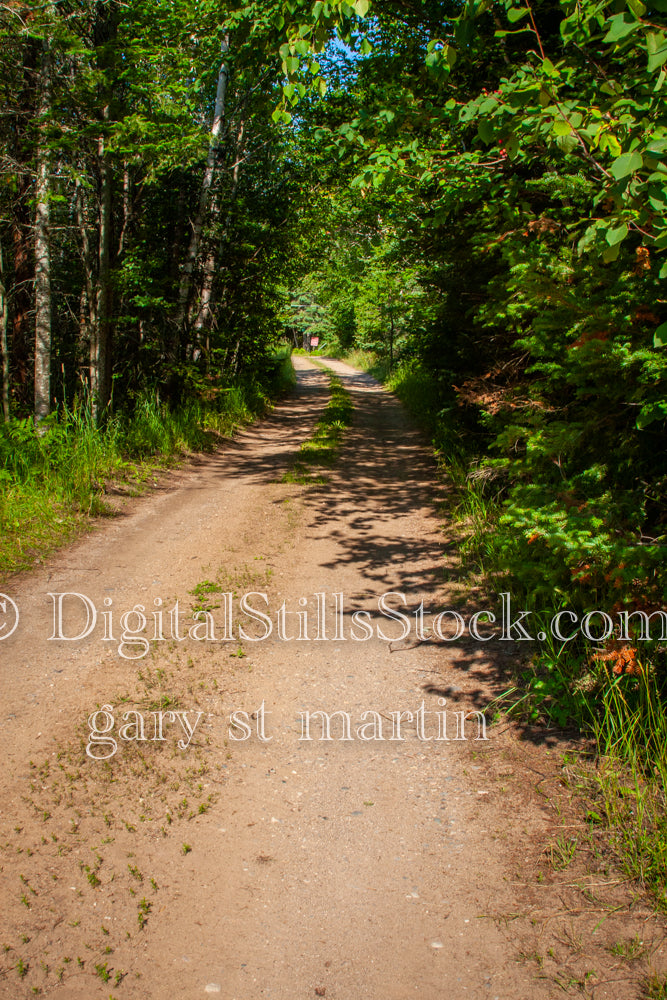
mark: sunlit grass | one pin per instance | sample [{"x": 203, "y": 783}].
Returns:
[
  {"x": 321, "y": 449},
  {"x": 51, "y": 482}
]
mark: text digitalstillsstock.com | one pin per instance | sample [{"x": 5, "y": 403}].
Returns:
[
  {"x": 106, "y": 732},
  {"x": 319, "y": 617}
]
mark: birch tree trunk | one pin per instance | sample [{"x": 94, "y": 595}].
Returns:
[
  {"x": 187, "y": 274},
  {"x": 105, "y": 32},
  {"x": 204, "y": 319},
  {"x": 21, "y": 142},
  {"x": 42, "y": 254},
  {"x": 4, "y": 318},
  {"x": 100, "y": 380},
  {"x": 88, "y": 307}
]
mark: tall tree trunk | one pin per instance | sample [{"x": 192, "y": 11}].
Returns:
[
  {"x": 42, "y": 253},
  {"x": 391, "y": 337},
  {"x": 100, "y": 346},
  {"x": 127, "y": 209},
  {"x": 4, "y": 316},
  {"x": 88, "y": 307},
  {"x": 187, "y": 275},
  {"x": 104, "y": 35},
  {"x": 22, "y": 287},
  {"x": 22, "y": 150},
  {"x": 205, "y": 314}
]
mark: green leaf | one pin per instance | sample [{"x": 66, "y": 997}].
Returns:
[
  {"x": 361, "y": 7},
  {"x": 486, "y": 132},
  {"x": 637, "y": 7},
  {"x": 626, "y": 164},
  {"x": 660, "y": 336},
  {"x": 614, "y": 236},
  {"x": 567, "y": 143},
  {"x": 651, "y": 412},
  {"x": 512, "y": 145},
  {"x": 656, "y": 46},
  {"x": 614, "y": 145},
  {"x": 663, "y": 271},
  {"x": 515, "y": 14},
  {"x": 560, "y": 127},
  {"x": 620, "y": 27}
]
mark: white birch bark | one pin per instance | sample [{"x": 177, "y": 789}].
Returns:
[
  {"x": 42, "y": 254},
  {"x": 100, "y": 332},
  {"x": 187, "y": 274},
  {"x": 205, "y": 314},
  {"x": 4, "y": 319}
]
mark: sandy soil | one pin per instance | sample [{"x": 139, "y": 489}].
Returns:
[{"x": 282, "y": 867}]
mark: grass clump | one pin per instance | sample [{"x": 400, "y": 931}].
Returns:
[
  {"x": 321, "y": 449},
  {"x": 630, "y": 779}
]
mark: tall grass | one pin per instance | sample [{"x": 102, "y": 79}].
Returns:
[
  {"x": 630, "y": 727},
  {"x": 51, "y": 481}
]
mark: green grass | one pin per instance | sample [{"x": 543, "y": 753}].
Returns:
[
  {"x": 369, "y": 362},
  {"x": 321, "y": 449},
  {"x": 631, "y": 776},
  {"x": 51, "y": 482},
  {"x": 655, "y": 988},
  {"x": 320, "y": 352}
]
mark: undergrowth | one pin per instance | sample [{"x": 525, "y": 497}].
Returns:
[
  {"x": 52, "y": 481},
  {"x": 612, "y": 692}
]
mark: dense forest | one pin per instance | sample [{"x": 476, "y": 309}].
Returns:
[{"x": 472, "y": 196}]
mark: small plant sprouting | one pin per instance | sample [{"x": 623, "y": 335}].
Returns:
[
  {"x": 186, "y": 848},
  {"x": 103, "y": 972},
  {"x": 92, "y": 876},
  {"x": 561, "y": 853},
  {"x": 144, "y": 910}
]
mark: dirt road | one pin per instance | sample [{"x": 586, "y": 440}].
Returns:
[{"x": 391, "y": 864}]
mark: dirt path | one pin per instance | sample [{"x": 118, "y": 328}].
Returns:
[{"x": 287, "y": 868}]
